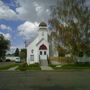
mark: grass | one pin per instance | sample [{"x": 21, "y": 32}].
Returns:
[
  {"x": 7, "y": 66},
  {"x": 34, "y": 67},
  {"x": 25, "y": 67},
  {"x": 76, "y": 66},
  {"x": 71, "y": 66}
]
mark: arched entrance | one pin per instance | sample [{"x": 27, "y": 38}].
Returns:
[
  {"x": 42, "y": 47},
  {"x": 43, "y": 54}
]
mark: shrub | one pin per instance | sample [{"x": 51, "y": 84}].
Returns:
[
  {"x": 23, "y": 67},
  {"x": 35, "y": 66}
]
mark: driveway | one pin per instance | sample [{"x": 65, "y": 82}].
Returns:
[{"x": 31, "y": 80}]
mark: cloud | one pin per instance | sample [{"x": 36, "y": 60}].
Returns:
[
  {"x": 31, "y": 10},
  {"x": 28, "y": 29},
  {"x": 6, "y": 12},
  {"x": 5, "y": 27},
  {"x": 39, "y": 9},
  {"x": 26, "y": 10},
  {"x": 13, "y": 48},
  {"x": 7, "y": 35}
]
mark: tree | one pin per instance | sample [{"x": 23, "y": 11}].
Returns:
[
  {"x": 23, "y": 54},
  {"x": 4, "y": 46},
  {"x": 71, "y": 23},
  {"x": 17, "y": 52}
]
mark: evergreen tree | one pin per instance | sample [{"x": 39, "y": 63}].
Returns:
[
  {"x": 17, "y": 52},
  {"x": 23, "y": 54}
]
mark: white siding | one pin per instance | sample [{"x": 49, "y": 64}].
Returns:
[
  {"x": 42, "y": 34},
  {"x": 33, "y": 47}
]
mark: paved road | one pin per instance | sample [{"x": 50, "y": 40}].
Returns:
[{"x": 65, "y": 80}]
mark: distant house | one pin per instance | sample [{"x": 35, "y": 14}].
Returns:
[{"x": 38, "y": 49}]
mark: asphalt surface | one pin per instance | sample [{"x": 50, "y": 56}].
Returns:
[{"x": 46, "y": 80}]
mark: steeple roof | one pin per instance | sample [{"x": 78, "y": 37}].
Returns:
[{"x": 42, "y": 24}]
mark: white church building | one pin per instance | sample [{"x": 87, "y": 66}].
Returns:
[{"x": 38, "y": 49}]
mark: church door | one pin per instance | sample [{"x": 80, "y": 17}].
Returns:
[{"x": 43, "y": 52}]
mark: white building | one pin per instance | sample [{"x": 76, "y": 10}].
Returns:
[{"x": 38, "y": 49}]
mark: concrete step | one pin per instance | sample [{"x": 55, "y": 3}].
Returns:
[
  {"x": 46, "y": 68},
  {"x": 44, "y": 62}
]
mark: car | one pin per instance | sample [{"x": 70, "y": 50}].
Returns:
[
  {"x": 13, "y": 58},
  {"x": 17, "y": 60}
]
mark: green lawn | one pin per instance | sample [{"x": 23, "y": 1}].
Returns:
[
  {"x": 25, "y": 67},
  {"x": 34, "y": 67},
  {"x": 7, "y": 66},
  {"x": 71, "y": 66}
]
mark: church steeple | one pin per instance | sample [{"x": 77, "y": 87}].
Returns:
[
  {"x": 43, "y": 31},
  {"x": 42, "y": 24}
]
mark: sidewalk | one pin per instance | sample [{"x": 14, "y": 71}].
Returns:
[
  {"x": 46, "y": 68},
  {"x": 12, "y": 68}
]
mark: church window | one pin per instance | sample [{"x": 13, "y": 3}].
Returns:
[
  {"x": 32, "y": 50},
  {"x": 40, "y": 52},
  {"x": 42, "y": 47},
  {"x": 44, "y": 52}
]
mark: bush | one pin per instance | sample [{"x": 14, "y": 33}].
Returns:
[
  {"x": 35, "y": 66},
  {"x": 23, "y": 67}
]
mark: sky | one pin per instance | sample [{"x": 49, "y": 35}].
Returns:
[{"x": 19, "y": 19}]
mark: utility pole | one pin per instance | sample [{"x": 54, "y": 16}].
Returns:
[
  {"x": 25, "y": 43},
  {"x": 25, "y": 48}
]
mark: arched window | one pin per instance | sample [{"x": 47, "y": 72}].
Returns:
[
  {"x": 44, "y": 52},
  {"x": 32, "y": 50},
  {"x": 42, "y": 47},
  {"x": 40, "y": 52}
]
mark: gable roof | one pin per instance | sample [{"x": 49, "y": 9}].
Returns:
[
  {"x": 40, "y": 41},
  {"x": 31, "y": 40}
]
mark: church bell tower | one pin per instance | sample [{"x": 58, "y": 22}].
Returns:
[{"x": 43, "y": 31}]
